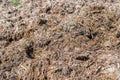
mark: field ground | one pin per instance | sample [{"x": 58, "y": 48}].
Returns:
[{"x": 60, "y": 40}]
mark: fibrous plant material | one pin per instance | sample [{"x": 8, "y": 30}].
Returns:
[{"x": 59, "y": 39}]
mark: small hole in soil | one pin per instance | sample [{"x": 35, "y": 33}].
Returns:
[
  {"x": 58, "y": 70},
  {"x": 90, "y": 36},
  {"x": 118, "y": 35},
  {"x": 82, "y": 58},
  {"x": 7, "y": 68},
  {"x": 33, "y": 79},
  {"x": 29, "y": 52},
  {"x": 45, "y": 78},
  {"x": 26, "y": 64},
  {"x": 10, "y": 39},
  {"x": 87, "y": 77},
  {"x": 95, "y": 34},
  {"x": 20, "y": 18},
  {"x": 9, "y": 12},
  {"x": 48, "y": 10},
  {"x": 0, "y": 62},
  {"x": 42, "y": 22},
  {"x": 6, "y": 60}
]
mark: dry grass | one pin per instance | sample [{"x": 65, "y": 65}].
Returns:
[{"x": 60, "y": 40}]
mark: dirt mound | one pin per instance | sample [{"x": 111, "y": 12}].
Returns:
[{"x": 60, "y": 40}]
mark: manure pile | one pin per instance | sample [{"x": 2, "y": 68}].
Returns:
[{"x": 60, "y": 40}]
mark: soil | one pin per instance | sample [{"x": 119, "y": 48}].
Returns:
[{"x": 60, "y": 40}]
